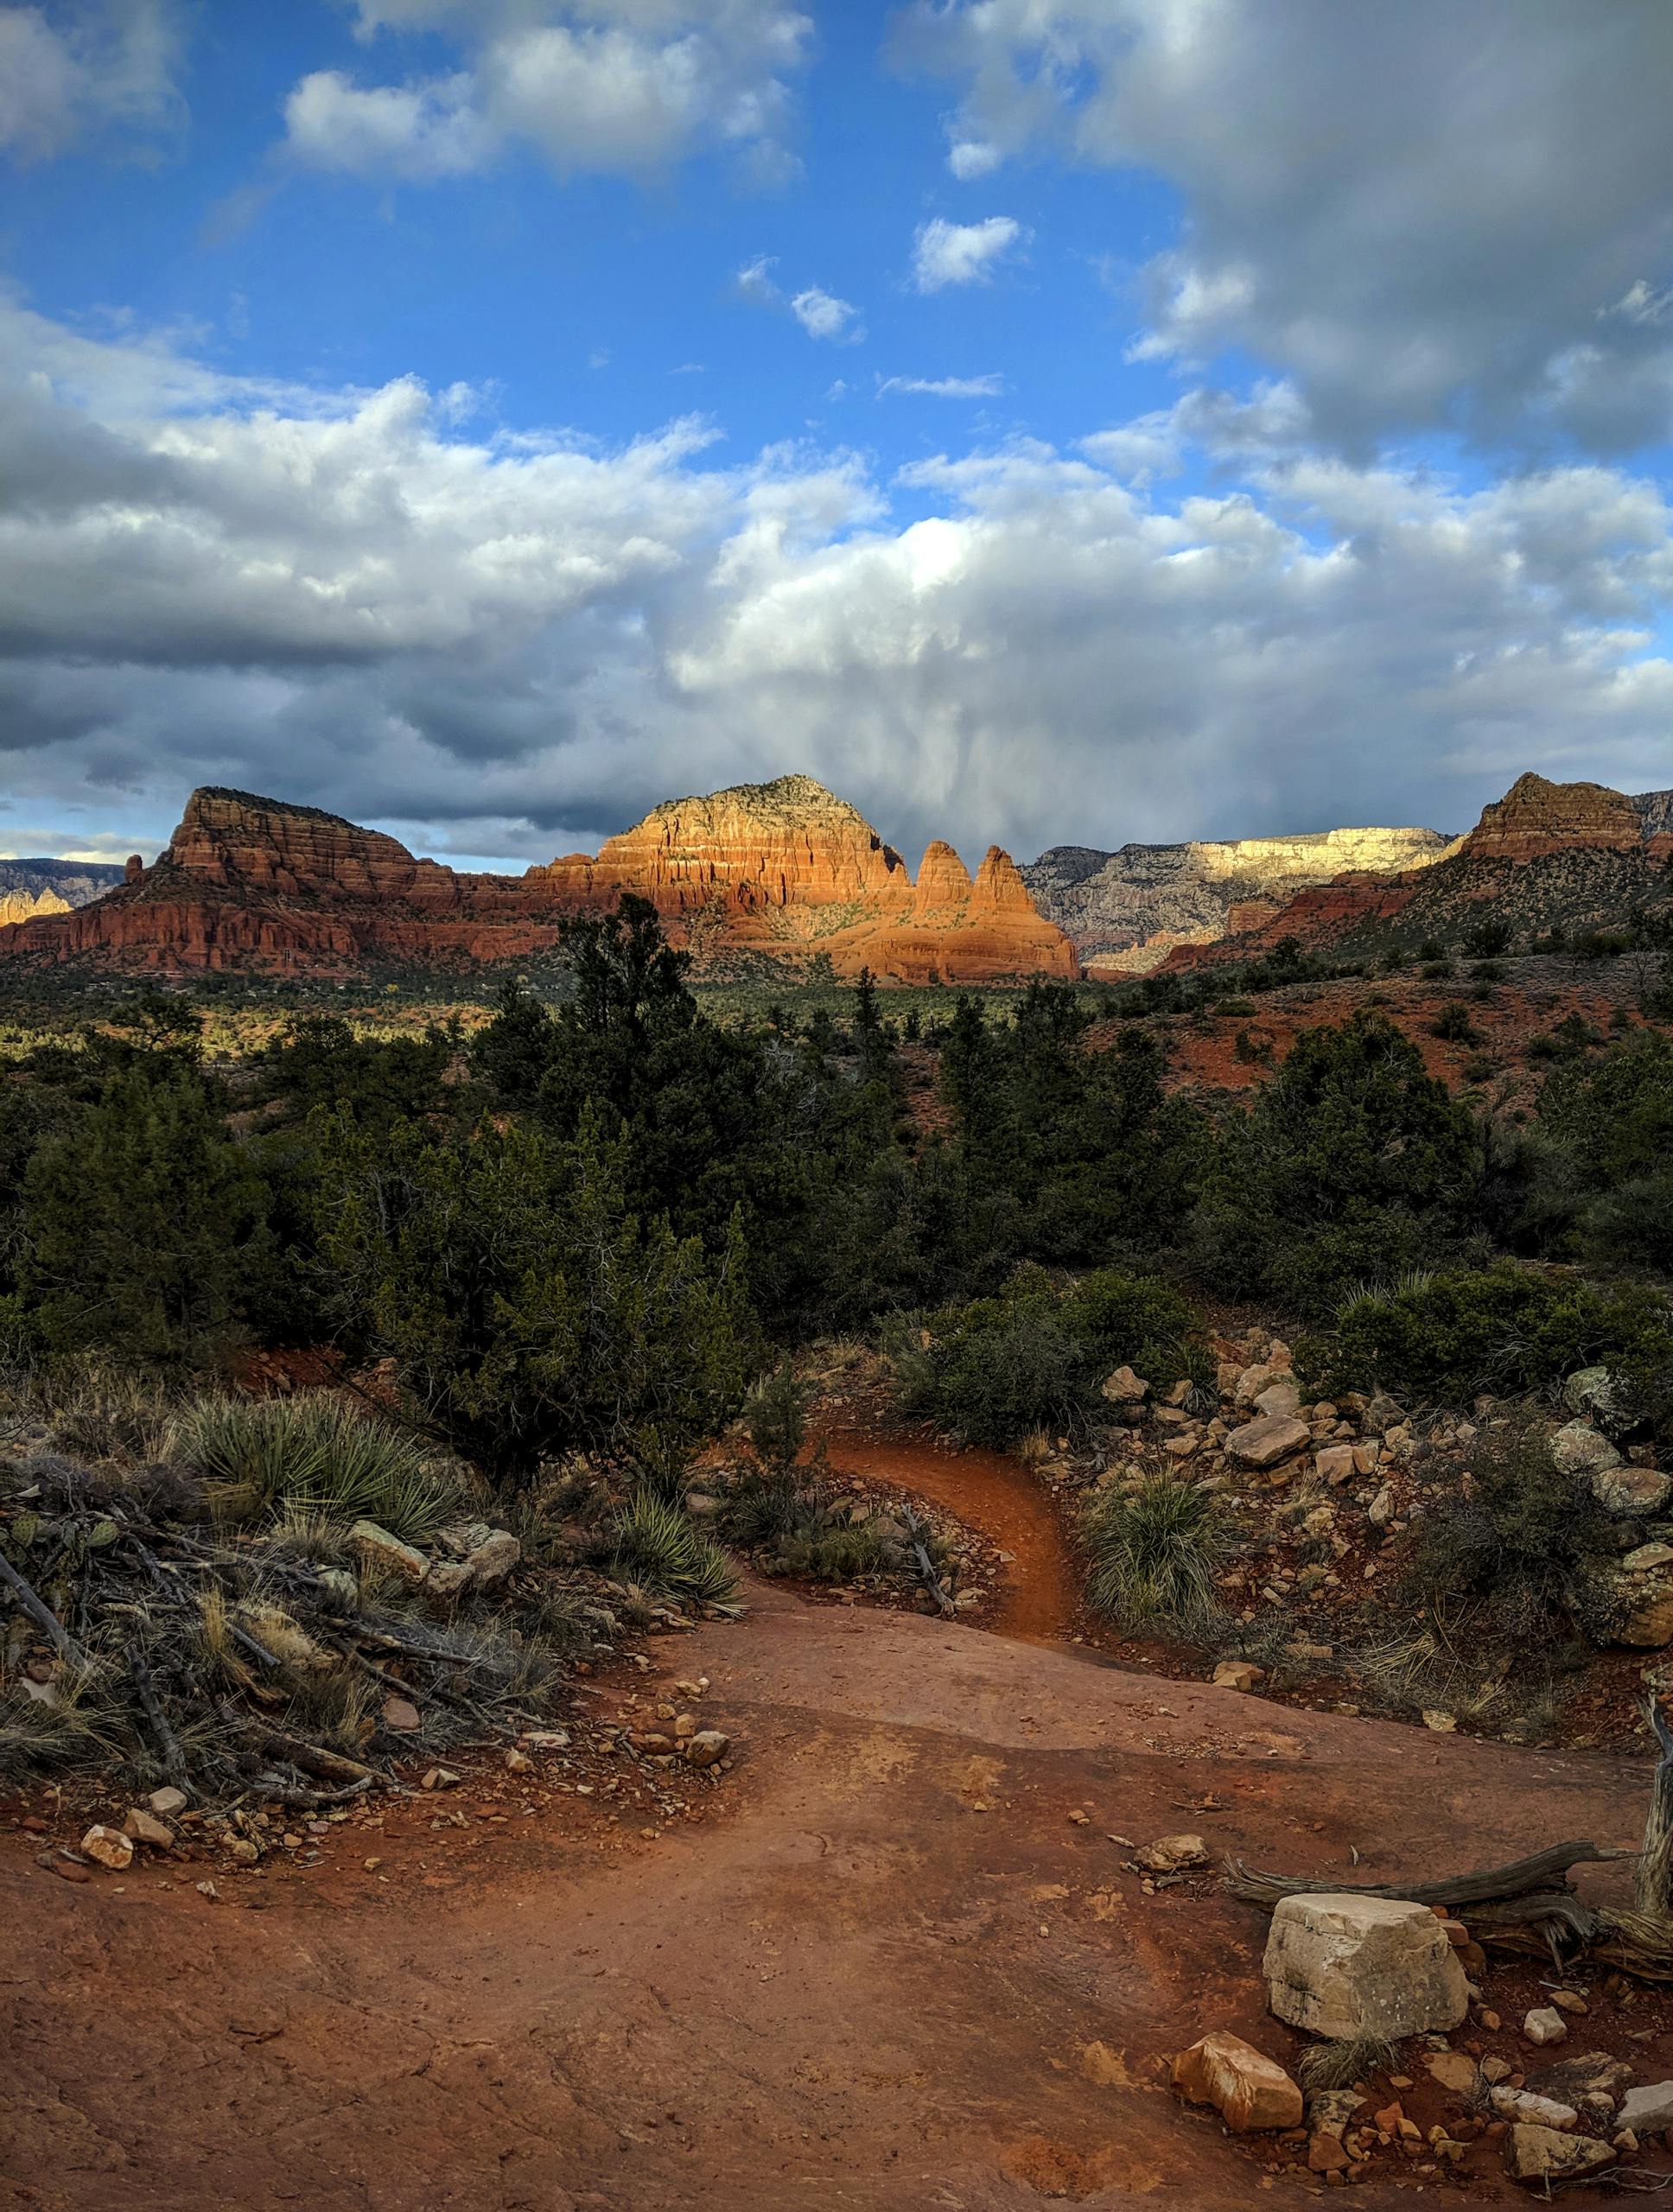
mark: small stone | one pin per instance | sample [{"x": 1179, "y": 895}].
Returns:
[
  {"x": 1124, "y": 1387},
  {"x": 707, "y": 1747},
  {"x": 1335, "y": 1463},
  {"x": 686, "y": 1724},
  {"x": 1251, "y": 2091},
  {"x": 1569, "y": 2001},
  {"x": 1545, "y": 2154},
  {"x": 1238, "y": 1674},
  {"x": 441, "y": 1777},
  {"x": 1453, "y": 2069},
  {"x": 165, "y": 1803},
  {"x": 1279, "y": 1401},
  {"x": 1544, "y": 2025},
  {"x": 1325, "y": 2154},
  {"x": 518, "y": 1763},
  {"x": 1578, "y": 1449},
  {"x": 1443, "y": 1723},
  {"x": 1264, "y": 1442},
  {"x": 401, "y": 1715},
  {"x": 207, "y": 1889},
  {"x": 109, "y": 1847},
  {"x": 545, "y": 1739},
  {"x": 1173, "y": 1854},
  {"x": 1539, "y": 2111},
  {"x": 1647, "y": 2110},
  {"x": 245, "y": 1851},
  {"x": 375, "y": 1548},
  {"x": 145, "y": 1827},
  {"x": 1381, "y": 1511}
]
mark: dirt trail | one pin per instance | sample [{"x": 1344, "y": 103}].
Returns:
[
  {"x": 995, "y": 1495},
  {"x": 898, "y": 1966}
]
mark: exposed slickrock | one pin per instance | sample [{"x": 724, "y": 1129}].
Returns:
[{"x": 783, "y": 869}]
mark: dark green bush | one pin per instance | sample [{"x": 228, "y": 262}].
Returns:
[
  {"x": 1505, "y": 1562},
  {"x": 1033, "y": 1358},
  {"x": 1504, "y": 1330}
]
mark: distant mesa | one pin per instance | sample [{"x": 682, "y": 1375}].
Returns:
[
  {"x": 783, "y": 872},
  {"x": 1128, "y": 911},
  {"x": 45, "y": 887}
]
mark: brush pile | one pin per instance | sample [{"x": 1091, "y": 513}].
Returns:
[{"x": 276, "y": 1599}]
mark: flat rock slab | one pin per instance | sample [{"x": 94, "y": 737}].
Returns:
[{"x": 1262, "y": 1443}]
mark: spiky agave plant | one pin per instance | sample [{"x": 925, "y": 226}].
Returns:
[
  {"x": 661, "y": 1547},
  {"x": 311, "y": 1453}
]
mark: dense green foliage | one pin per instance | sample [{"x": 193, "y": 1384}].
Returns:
[
  {"x": 1505, "y": 1330},
  {"x": 598, "y": 1221},
  {"x": 1034, "y": 1356}
]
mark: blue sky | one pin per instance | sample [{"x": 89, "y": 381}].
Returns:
[{"x": 1044, "y": 420}]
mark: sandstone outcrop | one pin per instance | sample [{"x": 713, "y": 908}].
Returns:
[
  {"x": 782, "y": 870},
  {"x": 1127, "y": 911},
  {"x": 24, "y": 906},
  {"x": 53, "y": 884},
  {"x": 1574, "y": 855}
]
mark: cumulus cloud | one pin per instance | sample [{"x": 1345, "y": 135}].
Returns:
[
  {"x": 945, "y": 254},
  {"x": 609, "y": 85},
  {"x": 86, "y": 67},
  {"x": 513, "y": 642},
  {"x": 1417, "y": 213}
]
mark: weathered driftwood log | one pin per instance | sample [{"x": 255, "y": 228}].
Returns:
[
  {"x": 1522, "y": 1877},
  {"x": 922, "y": 1561}
]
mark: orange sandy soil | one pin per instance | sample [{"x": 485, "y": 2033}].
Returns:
[{"x": 899, "y": 1957}]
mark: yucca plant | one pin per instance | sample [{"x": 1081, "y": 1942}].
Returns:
[
  {"x": 661, "y": 1547},
  {"x": 1153, "y": 1550},
  {"x": 312, "y": 1454}
]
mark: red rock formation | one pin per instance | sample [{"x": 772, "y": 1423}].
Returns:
[
  {"x": 781, "y": 869},
  {"x": 1535, "y": 816},
  {"x": 1578, "y": 853}
]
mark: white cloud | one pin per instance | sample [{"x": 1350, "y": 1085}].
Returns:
[
  {"x": 1415, "y": 213},
  {"x": 86, "y": 66},
  {"x": 416, "y": 133},
  {"x": 988, "y": 387},
  {"x": 607, "y": 85},
  {"x": 961, "y": 253},
  {"x": 970, "y": 159},
  {"x": 516, "y": 641},
  {"x": 823, "y": 315}
]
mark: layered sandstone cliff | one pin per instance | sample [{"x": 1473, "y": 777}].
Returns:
[
  {"x": 1570, "y": 855},
  {"x": 784, "y": 870},
  {"x": 1126, "y": 911}
]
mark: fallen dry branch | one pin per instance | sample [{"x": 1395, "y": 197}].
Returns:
[{"x": 1521, "y": 1879}]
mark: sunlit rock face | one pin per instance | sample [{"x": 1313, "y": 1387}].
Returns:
[
  {"x": 784, "y": 869},
  {"x": 1126, "y": 911}
]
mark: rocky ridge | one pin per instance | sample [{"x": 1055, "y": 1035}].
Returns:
[
  {"x": 1571, "y": 855},
  {"x": 784, "y": 870},
  {"x": 53, "y": 884},
  {"x": 1126, "y": 910}
]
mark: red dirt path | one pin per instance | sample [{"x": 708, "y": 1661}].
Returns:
[{"x": 889, "y": 1971}]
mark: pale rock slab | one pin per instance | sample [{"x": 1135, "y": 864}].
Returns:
[{"x": 1342, "y": 1966}]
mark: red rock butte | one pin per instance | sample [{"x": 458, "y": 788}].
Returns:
[{"x": 782, "y": 870}]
